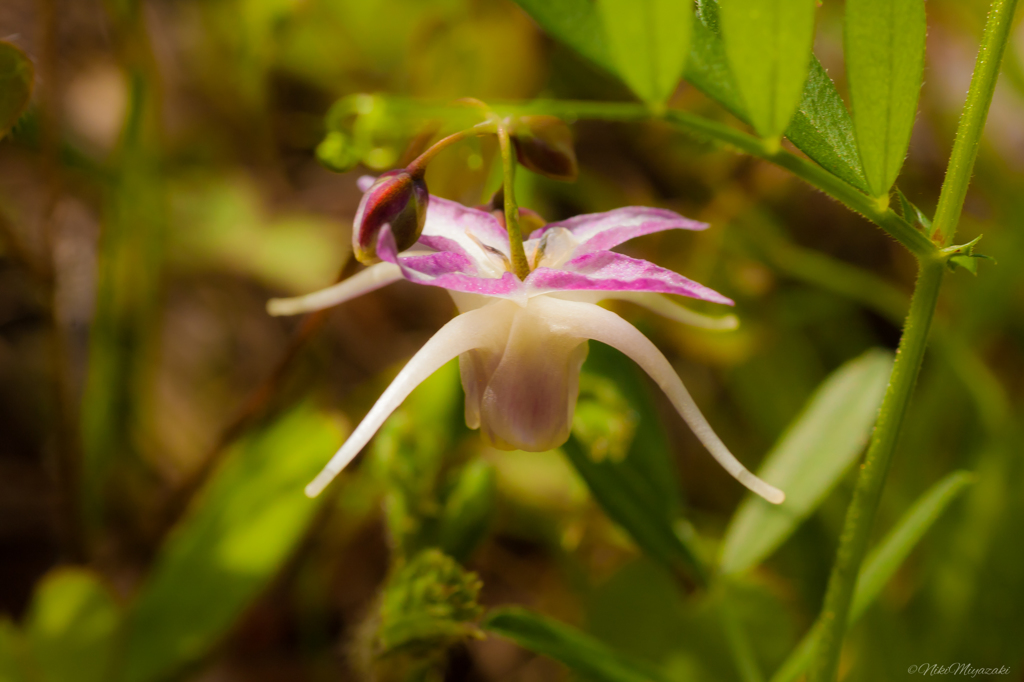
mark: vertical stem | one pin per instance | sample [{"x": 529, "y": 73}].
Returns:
[
  {"x": 972, "y": 120},
  {"x": 861, "y": 513},
  {"x": 515, "y": 235}
]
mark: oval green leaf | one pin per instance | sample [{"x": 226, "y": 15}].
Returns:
[
  {"x": 239, "y": 531},
  {"x": 822, "y": 127},
  {"x": 816, "y": 450},
  {"x": 768, "y": 44},
  {"x": 648, "y": 41},
  {"x": 884, "y": 42},
  {"x": 15, "y": 85}
]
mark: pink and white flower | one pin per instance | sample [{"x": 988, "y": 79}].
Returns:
[{"x": 521, "y": 343}]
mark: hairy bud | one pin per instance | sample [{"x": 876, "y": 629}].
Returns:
[
  {"x": 398, "y": 198},
  {"x": 544, "y": 145}
]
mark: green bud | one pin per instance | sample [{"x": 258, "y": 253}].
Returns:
[{"x": 337, "y": 153}]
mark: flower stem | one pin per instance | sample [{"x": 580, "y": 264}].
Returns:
[
  {"x": 419, "y": 164},
  {"x": 515, "y": 236},
  {"x": 861, "y": 512},
  {"x": 972, "y": 120}
]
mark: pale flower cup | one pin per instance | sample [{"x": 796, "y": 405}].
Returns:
[{"x": 521, "y": 343}]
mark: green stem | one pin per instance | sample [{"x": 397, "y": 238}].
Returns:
[
  {"x": 861, "y": 513},
  {"x": 972, "y": 120},
  {"x": 419, "y": 164},
  {"x": 814, "y": 175},
  {"x": 515, "y": 236}
]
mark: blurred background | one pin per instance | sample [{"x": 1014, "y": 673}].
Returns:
[{"x": 165, "y": 183}]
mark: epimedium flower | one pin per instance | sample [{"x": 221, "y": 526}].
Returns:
[{"x": 521, "y": 343}]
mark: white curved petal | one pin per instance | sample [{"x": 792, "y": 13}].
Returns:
[
  {"x": 602, "y": 325},
  {"x": 667, "y": 308},
  {"x": 464, "y": 333},
  {"x": 363, "y": 282}
]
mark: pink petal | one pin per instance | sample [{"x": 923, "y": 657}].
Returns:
[
  {"x": 460, "y": 224},
  {"x": 602, "y": 231},
  {"x": 446, "y": 269},
  {"x": 609, "y": 271}
]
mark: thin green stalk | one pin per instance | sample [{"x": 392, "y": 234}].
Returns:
[
  {"x": 515, "y": 236},
  {"x": 861, "y": 512},
  {"x": 419, "y": 164},
  {"x": 814, "y": 175},
  {"x": 972, "y": 120}
]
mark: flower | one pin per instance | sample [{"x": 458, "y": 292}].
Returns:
[{"x": 521, "y": 343}]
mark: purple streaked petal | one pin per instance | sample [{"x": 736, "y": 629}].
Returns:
[
  {"x": 447, "y": 270},
  {"x": 602, "y": 231},
  {"x": 609, "y": 271},
  {"x": 437, "y": 264},
  {"x": 461, "y": 224},
  {"x": 439, "y": 243}
]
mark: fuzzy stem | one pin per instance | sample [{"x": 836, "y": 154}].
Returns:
[
  {"x": 972, "y": 120},
  {"x": 861, "y": 512},
  {"x": 515, "y": 236}
]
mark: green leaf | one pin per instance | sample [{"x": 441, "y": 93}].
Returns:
[
  {"x": 816, "y": 450},
  {"x": 883, "y": 561},
  {"x": 822, "y": 127},
  {"x": 884, "y": 43},
  {"x": 239, "y": 531},
  {"x": 16, "y": 76},
  {"x": 577, "y": 24},
  {"x": 588, "y": 657},
  {"x": 73, "y": 628},
  {"x": 648, "y": 41},
  {"x": 768, "y": 44},
  {"x": 634, "y": 480}
]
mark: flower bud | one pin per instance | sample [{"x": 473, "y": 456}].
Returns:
[
  {"x": 544, "y": 145},
  {"x": 399, "y": 199}
]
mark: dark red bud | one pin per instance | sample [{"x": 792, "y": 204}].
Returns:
[
  {"x": 399, "y": 199},
  {"x": 544, "y": 145}
]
